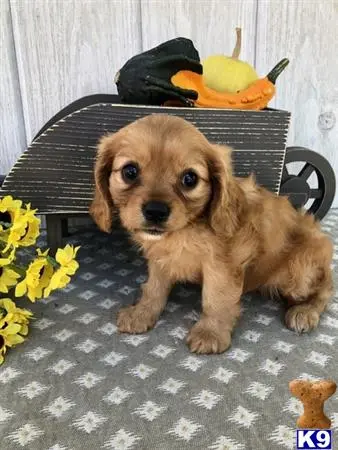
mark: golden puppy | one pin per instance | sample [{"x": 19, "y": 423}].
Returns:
[{"x": 176, "y": 194}]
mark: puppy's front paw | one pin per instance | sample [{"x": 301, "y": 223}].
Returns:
[
  {"x": 135, "y": 320},
  {"x": 302, "y": 318},
  {"x": 202, "y": 338}
]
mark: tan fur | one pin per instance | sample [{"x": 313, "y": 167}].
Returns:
[{"x": 227, "y": 233}]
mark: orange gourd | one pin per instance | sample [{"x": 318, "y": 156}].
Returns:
[{"x": 255, "y": 97}]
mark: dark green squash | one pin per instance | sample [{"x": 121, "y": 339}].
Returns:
[{"x": 146, "y": 78}]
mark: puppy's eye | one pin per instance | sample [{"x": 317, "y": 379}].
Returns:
[
  {"x": 189, "y": 179},
  {"x": 130, "y": 172}
]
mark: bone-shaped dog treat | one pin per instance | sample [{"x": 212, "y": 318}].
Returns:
[{"x": 313, "y": 394}]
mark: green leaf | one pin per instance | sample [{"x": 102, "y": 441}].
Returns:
[
  {"x": 52, "y": 261},
  {"x": 5, "y": 224}
]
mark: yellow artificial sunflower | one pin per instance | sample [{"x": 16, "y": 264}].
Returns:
[
  {"x": 68, "y": 266},
  {"x": 7, "y": 203},
  {"x": 59, "y": 280},
  {"x": 9, "y": 210},
  {"x": 9, "y": 337},
  {"x": 66, "y": 258},
  {"x": 7, "y": 258},
  {"x": 2, "y": 349},
  {"x": 24, "y": 230},
  {"x": 13, "y": 325},
  {"x": 10, "y": 313},
  {"x": 38, "y": 277},
  {"x": 11, "y": 334},
  {"x": 32, "y": 229},
  {"x": 8, "y": 278}
]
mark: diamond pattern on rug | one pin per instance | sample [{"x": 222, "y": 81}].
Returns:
[{"x": 77, "y": 384}]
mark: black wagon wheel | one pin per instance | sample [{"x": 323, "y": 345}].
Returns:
[{"x": 310, "y": 183}]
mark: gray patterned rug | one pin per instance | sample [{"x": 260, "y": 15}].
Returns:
[{"x": 78, "y": 384}]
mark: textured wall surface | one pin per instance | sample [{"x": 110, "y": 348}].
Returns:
[{"x": 53, "y": 52}]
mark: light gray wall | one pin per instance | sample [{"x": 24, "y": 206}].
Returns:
[{"x": 55, "y": 51}]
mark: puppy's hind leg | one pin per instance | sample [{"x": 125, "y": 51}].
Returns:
[
  {"x": 308, "y": 293},
  {"x": 303, "y": 315}
]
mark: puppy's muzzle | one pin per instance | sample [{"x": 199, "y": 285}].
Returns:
[{"x": 156, "y": 212}]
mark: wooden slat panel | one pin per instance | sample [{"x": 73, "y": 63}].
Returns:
[
  {"x": 210, "y": 24},
  {"x": 12, "y": 134},
  {"x": 67, "y": 49},
  {"x": 305, "y": 31},
  {"x": 59, "y": 178}
]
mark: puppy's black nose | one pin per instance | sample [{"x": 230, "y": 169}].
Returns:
[{"x": 156, "y": 212}]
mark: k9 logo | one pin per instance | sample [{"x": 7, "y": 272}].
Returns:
[{"x": 314, "y": 439}]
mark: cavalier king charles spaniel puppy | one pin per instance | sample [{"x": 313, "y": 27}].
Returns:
[{"x": 176, "y": 194}]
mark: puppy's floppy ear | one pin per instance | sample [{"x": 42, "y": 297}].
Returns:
[
  {"x": 227, "y": 197},
  {"x": 102, "y": 207}
]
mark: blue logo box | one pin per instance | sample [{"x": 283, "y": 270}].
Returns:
[{"x": 314, "y": 439}]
